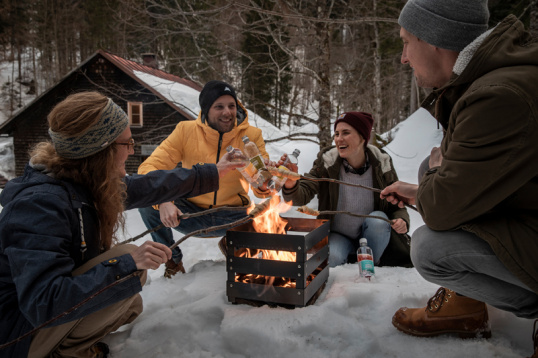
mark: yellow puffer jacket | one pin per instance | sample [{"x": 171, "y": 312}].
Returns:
[{"x": 194, "y": 142}]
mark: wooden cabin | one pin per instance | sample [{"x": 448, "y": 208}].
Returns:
[{"x": 142, "y": 90}]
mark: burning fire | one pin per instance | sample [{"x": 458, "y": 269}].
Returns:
[{"x": 269, "y": 222}]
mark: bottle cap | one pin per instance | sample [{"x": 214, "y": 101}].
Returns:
[
  {"x": 296, "y": 152},
  {"x": 246, "y": 139},
  {"x": 363, "y": 241}
]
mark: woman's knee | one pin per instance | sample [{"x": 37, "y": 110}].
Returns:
[
  {"x": 375, "y": 223},
  {"x": 340, "y": 247}
]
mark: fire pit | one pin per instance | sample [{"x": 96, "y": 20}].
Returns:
[{"x": 288, "y": 269}]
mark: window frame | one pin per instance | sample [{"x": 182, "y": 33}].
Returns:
[{"x": 140, "y": 106}]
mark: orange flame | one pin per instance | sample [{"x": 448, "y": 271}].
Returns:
[{"x": 270, "y": 221}]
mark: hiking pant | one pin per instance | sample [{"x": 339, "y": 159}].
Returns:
[
  {"x": 343, "y": 249},
  {"x": 76, "y": 338},
  {"x": 466, "y": 264}
]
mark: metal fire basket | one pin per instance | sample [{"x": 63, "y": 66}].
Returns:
[{"x": 307, "y": 238}]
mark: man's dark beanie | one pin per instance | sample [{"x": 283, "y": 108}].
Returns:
[
  {"x": 361, "y": 121},
  {"x": 213, "y": 90},
  {"x": 448, "y": 24}
]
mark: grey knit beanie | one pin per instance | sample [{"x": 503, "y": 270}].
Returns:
[{"x": 447, "y": 24}]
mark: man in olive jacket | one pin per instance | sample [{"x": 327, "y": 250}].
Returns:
[{"x": 479, "y": 199}]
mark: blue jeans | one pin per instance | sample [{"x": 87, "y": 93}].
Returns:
[
  {"x": 152, "y": 218},
  {"x": 376, "y": 231},
  {"x": 463, "y": 262}
]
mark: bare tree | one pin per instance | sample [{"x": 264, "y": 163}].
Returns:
[{"x": 534, "y": 18}]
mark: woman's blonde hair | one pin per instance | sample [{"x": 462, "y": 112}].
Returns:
[{"x": 98, "y": 172}]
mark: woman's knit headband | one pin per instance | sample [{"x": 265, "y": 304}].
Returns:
[{"x": 112, "y": 122}]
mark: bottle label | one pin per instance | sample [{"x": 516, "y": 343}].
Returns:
[
  {"x": 366, "y": 264},
  {"x": 258, "y": 162}
]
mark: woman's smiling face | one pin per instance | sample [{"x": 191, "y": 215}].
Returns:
[{"x": 348, "y": 141}]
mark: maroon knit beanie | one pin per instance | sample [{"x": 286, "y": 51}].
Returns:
[{"x": 361, "y": 121}]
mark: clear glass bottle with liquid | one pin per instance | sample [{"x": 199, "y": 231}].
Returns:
[
  {"x": 248, "y": 171},
  {"x": 365, "y": 259},
  {"x": 292, "y": 158},
  {"x": 254, "y": 155},
  {"x": 291, "y": 164}
]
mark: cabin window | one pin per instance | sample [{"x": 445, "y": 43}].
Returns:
[{"x": 135, "y": 114}]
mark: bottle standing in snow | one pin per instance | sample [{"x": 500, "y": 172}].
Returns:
[
  {"x": 254, "y": 155},
  {"x": 247, "y": 170},
  {"x": 365, "y": 259},
  {"x": 291, "y": 164}
]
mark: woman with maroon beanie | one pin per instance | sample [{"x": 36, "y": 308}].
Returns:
[{"x": 353, "y": 160}]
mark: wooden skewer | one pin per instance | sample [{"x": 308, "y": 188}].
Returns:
[{"x": 308, "y": 211}]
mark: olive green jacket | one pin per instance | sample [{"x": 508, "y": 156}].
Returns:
[
  {"x": 327, "y": 165},
  {"x": 488, "y": 181}
]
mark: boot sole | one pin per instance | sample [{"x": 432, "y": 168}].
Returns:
[{"x": 482, "y": 333}]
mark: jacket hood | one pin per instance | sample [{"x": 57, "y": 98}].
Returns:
[
  {"x": 30, "y": 178},
  {"x": 500, "y": 47},
  {"x": 35, "y": 176}
]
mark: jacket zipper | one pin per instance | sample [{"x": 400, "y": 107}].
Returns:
[{"x": 216, "y": 161}]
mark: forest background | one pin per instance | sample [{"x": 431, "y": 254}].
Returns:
[{"x": 291, "y": 61}]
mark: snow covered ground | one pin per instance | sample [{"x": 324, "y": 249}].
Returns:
[{"x": 190, "y": 316}]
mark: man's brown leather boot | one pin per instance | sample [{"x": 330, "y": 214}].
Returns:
[{"x": 446, "y": 312}]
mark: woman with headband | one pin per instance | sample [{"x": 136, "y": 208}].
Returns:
[{"x": 58, "y": 228}]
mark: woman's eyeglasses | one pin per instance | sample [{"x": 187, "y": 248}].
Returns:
[{"x": 130, "y": 144}]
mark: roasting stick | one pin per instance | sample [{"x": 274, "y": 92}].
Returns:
[
  {"x": 296, "y": 176},
  {"x": 181, "y": 217},
  {"x": 308, "y": 211},
  {"x": 258, "y": 210}
]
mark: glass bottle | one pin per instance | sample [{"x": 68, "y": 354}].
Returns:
[
  {"x": 365, "y": 259},
  {"x": 254, "y": 155},
  {"x": 247, "y": 170},
  {"x": 292, "y": 158},
  {"x": 291, "y": 164}
]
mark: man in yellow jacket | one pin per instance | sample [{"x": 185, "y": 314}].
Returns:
[{"x": 222, "y": 121}]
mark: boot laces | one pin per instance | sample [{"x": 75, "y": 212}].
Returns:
[{"x": 436, "y": 301}]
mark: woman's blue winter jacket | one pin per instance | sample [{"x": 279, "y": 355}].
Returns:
[{"x": 40, "y": 245}]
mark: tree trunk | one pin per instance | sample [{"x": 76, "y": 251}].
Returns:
[
  {"x": 324, "y": 89},
  {"x": 534, "y": 19},
  {"x": 377, "y": 80}
]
